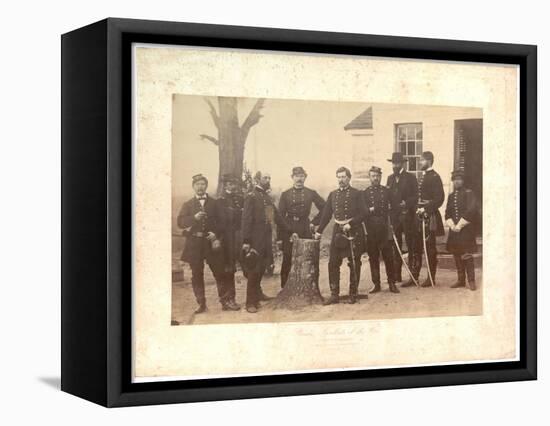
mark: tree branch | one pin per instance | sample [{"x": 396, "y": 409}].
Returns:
[
  {"x": 213, "y": 113},
  {"x": 253, "y": 117},
  {"x": 211, "y": 139}
]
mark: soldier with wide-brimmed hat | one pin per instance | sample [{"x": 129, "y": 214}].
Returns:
[{"x": 403, "y": 193}]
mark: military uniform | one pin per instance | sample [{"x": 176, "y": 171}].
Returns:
[
  {"x": 402, "y": 188},
  {"x": 431, "y": 197},
  {"x": 460, "y": 213},
  {"x": 347, "y": 205},
  {"x": 198, "y": 248},
  {"x": 232, "y": 207},
  {"x": 377, "y": 200},
  {"x": 259, "y": 217},
  {"x": 295, "y": 207}
]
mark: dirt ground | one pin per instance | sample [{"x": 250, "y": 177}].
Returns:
[{"x": 411, "y": 302}]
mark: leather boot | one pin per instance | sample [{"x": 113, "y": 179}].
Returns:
[
  {"x": 201, "y": 308},
  {"x": 460, "y": 272},
  {"x": 230, "y": 305},
  {"x": 376, "y": 288},
  {"x": 332, "y": 300},
  {"x": 393, "y": 288},
  {"x": 409, "y": 283},
  {"x": 470, "y": 272}
]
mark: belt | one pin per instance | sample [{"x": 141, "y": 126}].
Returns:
[
  {"x": 199, "y": 234},
  {"x": 296, "y": 218}
]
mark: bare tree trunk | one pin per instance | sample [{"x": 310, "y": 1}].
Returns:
[
  {"x": 302, "y": 287},
  {"x": 231, "y": 138}
]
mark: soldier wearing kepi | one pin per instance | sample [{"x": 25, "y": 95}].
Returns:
[
  {"x": 295, "y": 207},
  {"x": 377, "y": 200},
  {"x": 428, "y": 218},
  {"x": 460, "y": 213},
  {"x": 347, "y": 204},
  {"x": 201, "y": 216},
  {"x": 231, "y": 202},
  {"x": 259, "y": 217},
  {"x": 403, "y": 189}
]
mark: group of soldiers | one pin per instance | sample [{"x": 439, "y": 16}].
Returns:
[{"x": 239, "y": 229}]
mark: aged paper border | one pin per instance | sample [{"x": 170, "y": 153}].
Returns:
[{"x": 163, "y": 352}]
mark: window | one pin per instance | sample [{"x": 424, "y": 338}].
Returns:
[{"x": 408, "y": 141}]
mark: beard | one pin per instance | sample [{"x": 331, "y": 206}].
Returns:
[
  {"x": 266, "y": 186},
  {"x": 396, "y": 170}
]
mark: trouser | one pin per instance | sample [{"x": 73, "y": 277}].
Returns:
[
  {"x": 254, "y": 279},
  {"x": 399, "y": 231},
  {"x": 419, "y": 253},
  {"x": 374, "y": 262},
  {"x": 465, "y": 267},
  {"x": 197, "y": 280},
  {"x": 229, "y": 285},
  {"x": 336, "y": 258}
]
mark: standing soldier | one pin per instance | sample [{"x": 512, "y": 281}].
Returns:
[
  {"x": 428, "y": 219},
  {"x": 295, "y": 207},
  {"x": 259, "y": 217},
  {"x": 377, "y": 199},
  {"x": 461, "y": 211},
  {"x": 231, "y": 202},
  {"x": 202, "y": 218},
  {"x": 348, "y": 207},
  {"x": 403, "y": 189}
]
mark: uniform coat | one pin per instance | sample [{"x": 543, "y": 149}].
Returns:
[
  {"x": 259, "y": 217},
  {"x": 196, "y": 245},
  {"x": 198, "y": 248},
  {"x": 377, "y": 200},
  {"x": 402, "y": 187},
  {"x": 346, "y": 205},
  {"x": 462, "y": 203},
  {"x": 295, "y": 207},
  {"x": 430, "y": 189}
]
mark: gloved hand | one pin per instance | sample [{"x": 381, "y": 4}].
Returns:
[
  {"x": 317, "y": 236},
  {"x": 346, "y": 227},
  {"x": 451, "y": 224},
  {"x": 461, "y": 224}
]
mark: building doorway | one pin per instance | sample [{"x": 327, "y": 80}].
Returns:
[{"x": 468, "y": 156}]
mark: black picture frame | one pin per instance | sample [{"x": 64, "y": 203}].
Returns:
[{"x": 96, "y": 208}]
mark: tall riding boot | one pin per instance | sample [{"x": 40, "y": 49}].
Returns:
[
  {"x": 415, "y": 263},
  {"x": 470, "y": 271},
  {"x": 460, "y": 272},
  {"x": 334, "y": 294}
]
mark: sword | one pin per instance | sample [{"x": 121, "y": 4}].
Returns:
[
  {"x": 426, "y": 250},
  {"x": 353, "y": 265},
  {"x": 403, "y": 259}
]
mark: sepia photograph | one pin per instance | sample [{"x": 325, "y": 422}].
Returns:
[
  {"x": 266, "y": 227},
  {"x": 299, "y": 213}
]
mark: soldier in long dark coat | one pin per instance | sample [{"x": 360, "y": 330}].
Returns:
[
  {"x": 461, "y": 212},
  {"x": 259, "y": 218},
  {"x": 430, "y": 198},
  {"x": 295, "y": 207},
  {"x": 403, "y": 189},
  {"x": 347, "y": 205},
  {"x": 231, "y": 202},
  {"x": 377, "y": 221},
  {"x": 202, "y": 219}
]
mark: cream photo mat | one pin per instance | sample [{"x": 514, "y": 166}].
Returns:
[{"x": 163, "y": 352}]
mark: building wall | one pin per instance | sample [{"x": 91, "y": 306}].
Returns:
[{"x": 374, "y": 147}]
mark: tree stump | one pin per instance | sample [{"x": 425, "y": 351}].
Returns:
[{"x": 302, "y": 286}]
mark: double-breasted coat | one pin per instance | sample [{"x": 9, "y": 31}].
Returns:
[
  {"x": 231, "y": 205},
  {"x": 430, "y": 192},
  {"x": 295, "y": 207},
  {"x": 462, "y": 204}
]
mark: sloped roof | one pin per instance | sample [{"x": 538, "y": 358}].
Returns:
[{"x": 362, "y": 121}]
